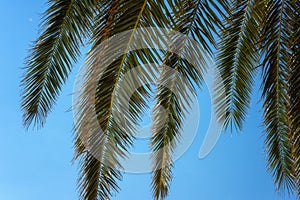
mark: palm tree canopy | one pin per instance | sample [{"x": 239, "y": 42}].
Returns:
[{"x": 248, "y": 37}]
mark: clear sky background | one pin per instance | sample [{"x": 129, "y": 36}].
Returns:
[{"x": 36, "y": 165}]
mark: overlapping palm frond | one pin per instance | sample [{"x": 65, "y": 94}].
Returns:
[
  {"x": 255, "y": 31},
  {"x": 66, "y": 24},
  {"x": 108, "y": 109},
  {"x": 176, "y": 84}
]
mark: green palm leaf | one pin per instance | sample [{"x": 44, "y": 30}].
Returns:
[
  {"x": 275, "y": 92},
  {"x": 293, "y": 18},
  {"x": 253, "y": 26},
  {"x": 236, "y": 62},
  {"x": 108, "y": 136},
  {"x": 66, "y": 24},
  {"x": 174, "y": 92}
]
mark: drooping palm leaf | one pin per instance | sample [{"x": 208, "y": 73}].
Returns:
[
  {"x": 105, "y": 127},
  {"x": 65, "y": 26},
  {"x": 236, "y": 62},
  {"x": 275, "y": 105},
  {"x": 175, "y": 88},
  {"x": 254, "y": 26},
  {"x": 293, "y": 104},
  {"x": 95, "y": 181}
]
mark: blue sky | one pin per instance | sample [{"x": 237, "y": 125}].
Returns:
[{"x": 37, "y": 164}]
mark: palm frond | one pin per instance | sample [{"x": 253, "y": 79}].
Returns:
[
  {"x": 66, "y": 24},
  {"x": 96, "y": 180},
  {"x": 236, "y": 62},
  {"x": 276, "y": 108},
  {"x": 106, "y": 127},
  {"x": 174, "y": 90},
  {"x": 293, "y": 81}
]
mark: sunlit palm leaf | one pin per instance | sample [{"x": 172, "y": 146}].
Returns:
[
  {"x": 96, "y": 181},
  {"x": 104, "y": 96}
]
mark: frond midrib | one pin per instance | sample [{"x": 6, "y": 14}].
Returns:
[{"x": 124, "y": 56}]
